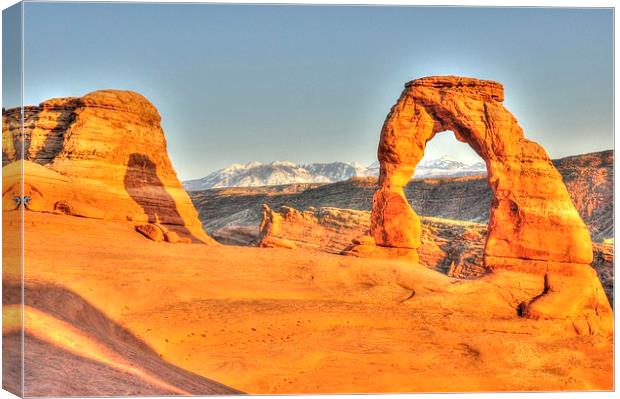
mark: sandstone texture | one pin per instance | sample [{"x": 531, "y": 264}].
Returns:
[
  {"x": 324, "y": 229},
  {"x": 533, "y": 224},
  {"x": 107, "y": 152}
]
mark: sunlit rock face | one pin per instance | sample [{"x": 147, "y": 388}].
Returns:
[
  {"x": 532, "y": 216},
  {"x": 533, "y": 224},
  {"x": 107, "y": 152}
]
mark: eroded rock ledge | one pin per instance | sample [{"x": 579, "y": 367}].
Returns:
[{"x": 487, "y": 89}]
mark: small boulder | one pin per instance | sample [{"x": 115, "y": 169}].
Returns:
[{"x": 150, "y": 231}]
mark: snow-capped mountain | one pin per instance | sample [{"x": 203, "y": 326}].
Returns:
[
  {"x": 447, "y": 167},
  {"x": 440, "y": 167},
  {"x": 255, "y": 174},
  {"x": 373, "y": 169},
  {"x": 444, "y": 162},
  {"x": 336, "y": 171}
]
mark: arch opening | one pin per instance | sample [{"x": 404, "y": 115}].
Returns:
[
  {"x": 452, "y": 234},
  {"x": 445, "y": 156}
]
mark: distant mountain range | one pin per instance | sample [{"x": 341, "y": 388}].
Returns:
[
  {"x": 256, "y": 174},
  {"x": 448, "y": 167}
]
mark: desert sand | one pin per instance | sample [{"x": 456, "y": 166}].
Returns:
[{"x": 272, "y": 320}]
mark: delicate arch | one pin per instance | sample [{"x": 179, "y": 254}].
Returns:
[{"x": 531, "y": 215}]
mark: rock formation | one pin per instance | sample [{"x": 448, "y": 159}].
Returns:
[
  {"x": 451, "y": 247},
  {"x": 589, "y": 179},
  {"x": 107, "y": 152},
  {"x": 533, "y": 224},
  {"x": 529, "y": 203},
  {"x": 604, "y": 265},
  {"x": 323, "y": 229}
]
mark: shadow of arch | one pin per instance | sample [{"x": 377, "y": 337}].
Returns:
[
  {"x": 65, "y": 305},
  {"x": 144, "y": 186}
]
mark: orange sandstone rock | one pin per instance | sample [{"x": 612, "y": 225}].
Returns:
[
  {"x": 324, "y": 229},
  {"x": 151, "y": 232},
  {"x": 532, "y": 216},
  {"x": 109, "y": 146}
]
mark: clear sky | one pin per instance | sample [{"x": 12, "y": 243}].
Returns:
[{"x": 236, "y": 83}]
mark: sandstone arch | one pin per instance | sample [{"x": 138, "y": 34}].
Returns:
[
  {"x": 533, "y": 226},
  {"x": 531, "y": 216}
]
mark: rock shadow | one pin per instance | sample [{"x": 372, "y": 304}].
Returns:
[
  {"x": 145, "y": 187},
  {"x": 62, "y": 116},
  {"x": 47, "y": 366},
  {"x": 13, "y": 140},
  {"x": 54, "y": 141}
]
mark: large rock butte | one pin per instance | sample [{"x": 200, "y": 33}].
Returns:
[
  {"x": 101, "y": 155},
  {"x": 533, "y": 224}
]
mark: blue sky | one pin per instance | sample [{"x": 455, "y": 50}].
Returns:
[{"x": 236, "y": 83}]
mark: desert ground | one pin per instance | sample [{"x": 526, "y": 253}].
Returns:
[{"x": 271, "y": 320}]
